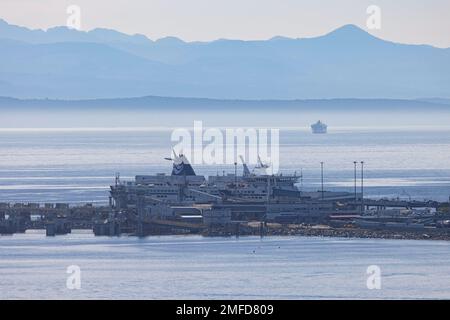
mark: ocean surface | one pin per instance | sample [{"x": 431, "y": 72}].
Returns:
[
  {"x": 78, "y": 165},
  {"x": 33, "y": 266}
]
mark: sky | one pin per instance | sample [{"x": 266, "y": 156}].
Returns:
[{"x": 405, "y": 21}]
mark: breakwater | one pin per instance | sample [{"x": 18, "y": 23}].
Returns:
[
  {"x": 329, "y": 231},
  {"x": 61, "y": 218}
]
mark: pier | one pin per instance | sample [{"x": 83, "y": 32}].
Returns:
[
  {"x": 387, "y": 218},
  {"x": 55, "y": 218}
]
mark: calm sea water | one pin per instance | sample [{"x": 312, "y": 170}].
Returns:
[
  {"x": 78, "y": 165},
  {"x": 191, "y": 267}
]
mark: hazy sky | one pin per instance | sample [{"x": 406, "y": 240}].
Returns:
[{"x": 406, "y": 21}]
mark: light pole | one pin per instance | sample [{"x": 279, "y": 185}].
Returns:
[
  {"x": 362, "y": 186},
  {"x": 354, "y": 163},
  {"x": 235, "y": 175},
  {"x": 321, "y": 177},
  {"x": 301, "y": 180}
]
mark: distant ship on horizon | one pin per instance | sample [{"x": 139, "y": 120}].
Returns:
[{"x": 319, "y": 127}]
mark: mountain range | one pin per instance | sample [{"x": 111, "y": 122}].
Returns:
[
  {"x": 62, "y": 63},
  {"x": 157, "y": 103}
]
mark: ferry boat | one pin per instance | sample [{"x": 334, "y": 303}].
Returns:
[
  {"x": 319, "y": 127},
  {"x": 184, "y": 186}
]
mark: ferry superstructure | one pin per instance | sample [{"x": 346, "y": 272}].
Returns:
[
  {"x": 184, "y": 186},
  {"x": 319, "y": 127}
]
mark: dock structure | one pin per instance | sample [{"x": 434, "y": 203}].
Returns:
[
  {"x": 151, "y": 217},
  {"x": 55, "y": 218},
  {"x": 58, "y": 227},
  {"x": 382, "y": 204}
]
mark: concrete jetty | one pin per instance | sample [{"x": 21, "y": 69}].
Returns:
[{"x": 381, "y": 218}]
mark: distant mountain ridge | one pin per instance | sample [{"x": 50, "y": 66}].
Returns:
[
  {"x": 348, "y": 62},
  {"x": 64, "y": 34},
  {"x": 182, "y": 103}
]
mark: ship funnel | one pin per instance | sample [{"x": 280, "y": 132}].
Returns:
[{"x": 181, "y": 166}]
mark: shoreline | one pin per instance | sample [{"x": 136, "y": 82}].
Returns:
[
  {"x": 441, "y": 234},
  {"x": 330, "y": 232}
]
